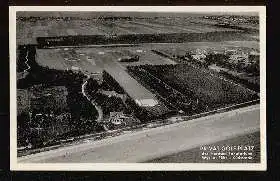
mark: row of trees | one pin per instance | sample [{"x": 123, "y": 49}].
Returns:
[
  {"x": 252, "y": 69},
  {"x": 209, "y": 90},
  {"x": 223, "y": 60}
]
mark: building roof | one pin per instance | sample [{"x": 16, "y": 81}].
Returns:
[{"x": 146, "y": 102}]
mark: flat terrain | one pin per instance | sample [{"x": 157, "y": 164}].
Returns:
[
  {"x": 182, "y": 48},
  {"x": 29, "y": 30},
  {"x": 56, "y": 59},
  {"x": 157, "y": 142},
  {"x": 213, "y": 91},
  {"x": 90, "y": 59}
]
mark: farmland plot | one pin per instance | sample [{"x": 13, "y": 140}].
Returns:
[
  {"x": 210, "y": 89},
  {"x": 136, "y": 29}
]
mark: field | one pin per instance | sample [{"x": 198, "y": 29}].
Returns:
[
  {"x": 230, "y": 71},
  {"x": 91, "y": 60},
  {"x": 72, "y": 114},
  {"x": 23, "y": 101},
  {"x": 42, "y": 99},
  {"x": 182, "y": 48},
  {"x": 208, "y": 89},
  {"x": 28, "y": 29},
  {"x": 57, "y": 59}
]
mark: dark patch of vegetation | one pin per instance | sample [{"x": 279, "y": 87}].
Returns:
[
  {"x": 255, "y": 86},
  {"x": 208, "y": 92},
  {"x": 174, "y": 99},
  {"x": 251, "y": 71},
  {"x": 110, "y": 104},
  {"x": 83, "y": 114},
  {"x": 112, "y": 84},
  {"x": 222, "y": 60}
]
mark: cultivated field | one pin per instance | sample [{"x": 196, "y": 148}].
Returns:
[
  {"x": 23, "y": 100},
  {"x": 29, "y": 29},
  {"x": 242, "y": 76},
  {"x": 182, "y": 48},
  {"x": 210, "y": 90},
  {"x": 68, "y": 59}
]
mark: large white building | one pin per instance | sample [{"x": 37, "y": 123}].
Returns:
[{"x": 146, "y": 102}]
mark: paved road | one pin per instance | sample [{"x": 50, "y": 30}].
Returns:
[{"x": 157, "y": 142}]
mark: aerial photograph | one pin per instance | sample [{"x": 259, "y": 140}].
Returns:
[{"x": 137, "y": 87}]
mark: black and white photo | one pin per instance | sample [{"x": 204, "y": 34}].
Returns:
[{"x": 138, "y": 88}]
